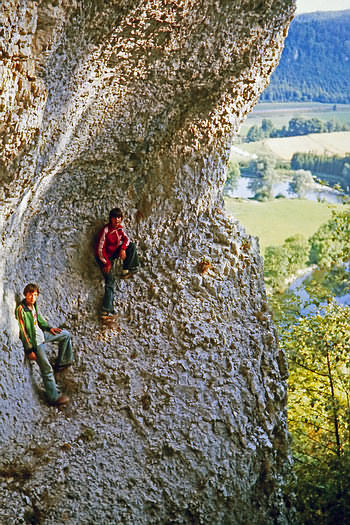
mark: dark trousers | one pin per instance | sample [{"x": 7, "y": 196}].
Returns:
[{"x": 130, "y": 263}]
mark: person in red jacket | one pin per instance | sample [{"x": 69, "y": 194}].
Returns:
[{"x": 112, "y": 242}]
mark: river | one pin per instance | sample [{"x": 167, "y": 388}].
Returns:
[
  {"x": 321, "y": 284},
  {"x": 316, "y": 193}
]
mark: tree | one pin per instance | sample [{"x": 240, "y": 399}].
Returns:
[
  {"x": 233, "y": 174},
  {"x": 276, "y": 266},
  {"x": 302, "y": 181},
  {"x": 297, "y": 248},
  {"x": 330, "y": 244},
  {"x": 297, "y": 126},
  {"x": 341, "y": 234},
  {"x": 254, "y": 134},
  {"x": 315, "y": 61},
  {"x": 283, "y": 261},
  {"x": 346, "y": 175},
  {"x": 334, "y": 165},
  {"x": 264, "y": 168},
  {"x": 315, "y": 125},
  {"x": 267, "y": 127},
  {"x": 318, "y": 348}
]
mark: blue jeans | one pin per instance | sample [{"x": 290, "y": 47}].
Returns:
[
  {"x": 131, "y": 263},
  {"x": 65, "y": 357}
]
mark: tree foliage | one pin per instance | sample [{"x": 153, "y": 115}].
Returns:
[
  {"x": 328, "y": 248},
  {"x": 301, "y": 182},
  {"x": 265, "y": 177},
  {"x": 332, "y": 165},
  {"x": 318, "y": 348},
  {"x": 233, "y": 174},
  {"x": 283, "y": 261},
  {"x": 330, "y": 244},
  {"x": 276, "y": 265}
]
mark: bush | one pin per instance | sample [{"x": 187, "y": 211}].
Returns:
[
  {"x": 326, "y": 246},
  {"x": 283, "y": 261}
]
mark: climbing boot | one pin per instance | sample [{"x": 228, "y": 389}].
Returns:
[
  {"x": 126, "y": 274},
  {"x": 108, "y": 314},
  {"x": 59, "y": 368},
  {"x": 62, "y": 400}
]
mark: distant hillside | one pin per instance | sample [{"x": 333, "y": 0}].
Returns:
[{"x": 315, "y": 63}]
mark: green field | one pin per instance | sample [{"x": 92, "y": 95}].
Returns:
[
  {"x": 276, "y": 220},
  {"x": 281, "y": 113}
]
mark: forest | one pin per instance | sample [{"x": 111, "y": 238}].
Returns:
[
  {"x": 335, "y": 167},
  {"x": 315, "y": 63}
]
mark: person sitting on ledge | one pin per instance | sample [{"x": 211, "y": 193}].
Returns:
[
  {"x": 112, "y": 242},
  {"x": 35, "y": 332}
]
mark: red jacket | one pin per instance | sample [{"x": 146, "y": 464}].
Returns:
[{"x": 108, "y": 241}]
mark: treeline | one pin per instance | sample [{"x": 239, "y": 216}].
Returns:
[
  {"x": 304, "y": 169},
  {"x": 334, "y": 165},
  {"x": 315, "y": 63},
  {"x": 296, "y": 127}
]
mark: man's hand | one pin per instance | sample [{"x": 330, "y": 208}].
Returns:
[
  {"x": 122, "y": 255},
  {"x": 32, "y": 356},
  {"x": 107, "y": 268},
  {"x": 55, "y": 331}
]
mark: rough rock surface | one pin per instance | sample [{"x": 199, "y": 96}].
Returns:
[{"x": 178, "y": 411}]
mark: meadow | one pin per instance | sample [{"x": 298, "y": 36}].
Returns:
[
  {"x": 281, "y": 113},
  {"x": 274, "y": 221},
  {"x": 336, "y": 143}
]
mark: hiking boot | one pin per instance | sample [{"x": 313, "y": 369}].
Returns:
[
  {"x": 62, "y": 400},
  {"x": 126, "y": 274},
  {"x": 59, "y": 368},
  {"x": 108, "y": 314}
]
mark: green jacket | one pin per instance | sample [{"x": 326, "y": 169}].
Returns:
[{"x": 26, "y": 326}]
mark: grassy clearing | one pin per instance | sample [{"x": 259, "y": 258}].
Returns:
[{"x": 274, "y": 221}]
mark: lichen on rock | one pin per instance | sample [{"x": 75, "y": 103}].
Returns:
[{"x": 178, "y": 412}]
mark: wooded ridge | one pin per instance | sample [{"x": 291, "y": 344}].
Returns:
[{"x": 315, "y": 63}]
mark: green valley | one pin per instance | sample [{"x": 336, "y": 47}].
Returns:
[{"x": 274, "y": 221}]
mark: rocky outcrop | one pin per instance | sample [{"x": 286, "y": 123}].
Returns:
[{"x": 178, "y": 411}]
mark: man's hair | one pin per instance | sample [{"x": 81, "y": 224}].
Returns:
[
  {"x": 30, "y": 288},
  {"x": 116, "y": 212}
]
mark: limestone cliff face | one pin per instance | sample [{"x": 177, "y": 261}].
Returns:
[{"x": 178, "y": 411}]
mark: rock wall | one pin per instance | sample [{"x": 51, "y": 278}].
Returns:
[{"x": 177, "y": 412}]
